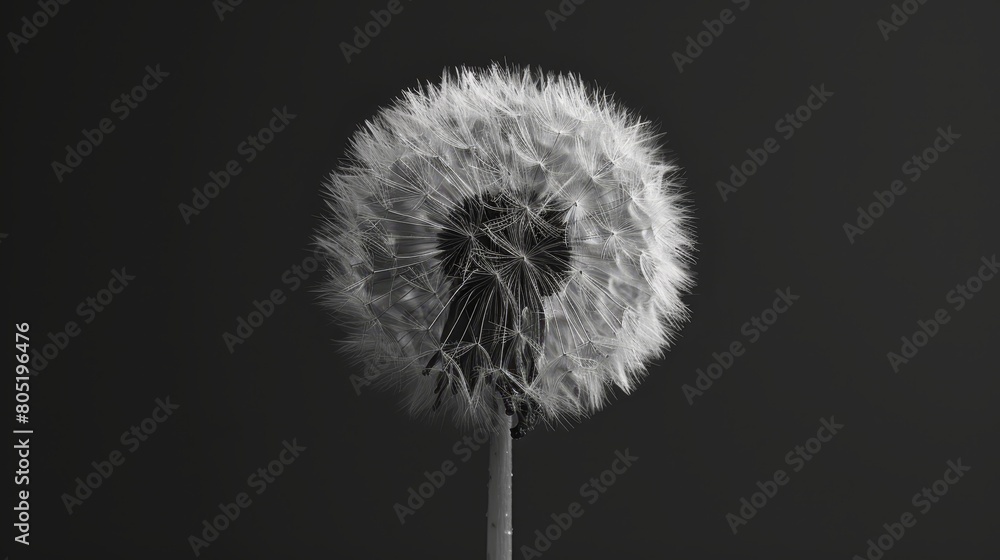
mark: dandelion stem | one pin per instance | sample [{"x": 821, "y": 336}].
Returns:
[{"x": 499, "y": 521}]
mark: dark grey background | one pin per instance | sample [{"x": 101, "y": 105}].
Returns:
[{"x": 826, "y": 356}]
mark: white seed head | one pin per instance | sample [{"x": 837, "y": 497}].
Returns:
[{"x": 506, "y": 237}]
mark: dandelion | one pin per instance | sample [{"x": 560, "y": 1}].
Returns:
[{"x": 503, "y": 248}]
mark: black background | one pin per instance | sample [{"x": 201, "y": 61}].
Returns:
[{"x": 826, "y": 356}]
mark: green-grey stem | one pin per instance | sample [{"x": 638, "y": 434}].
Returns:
[{"x": 499, "y": 519}]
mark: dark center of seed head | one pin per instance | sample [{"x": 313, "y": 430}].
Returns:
[{"x": 502, "y": 253}]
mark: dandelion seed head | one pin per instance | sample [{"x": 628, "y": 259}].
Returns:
[{"x": 506, "y": 241}]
